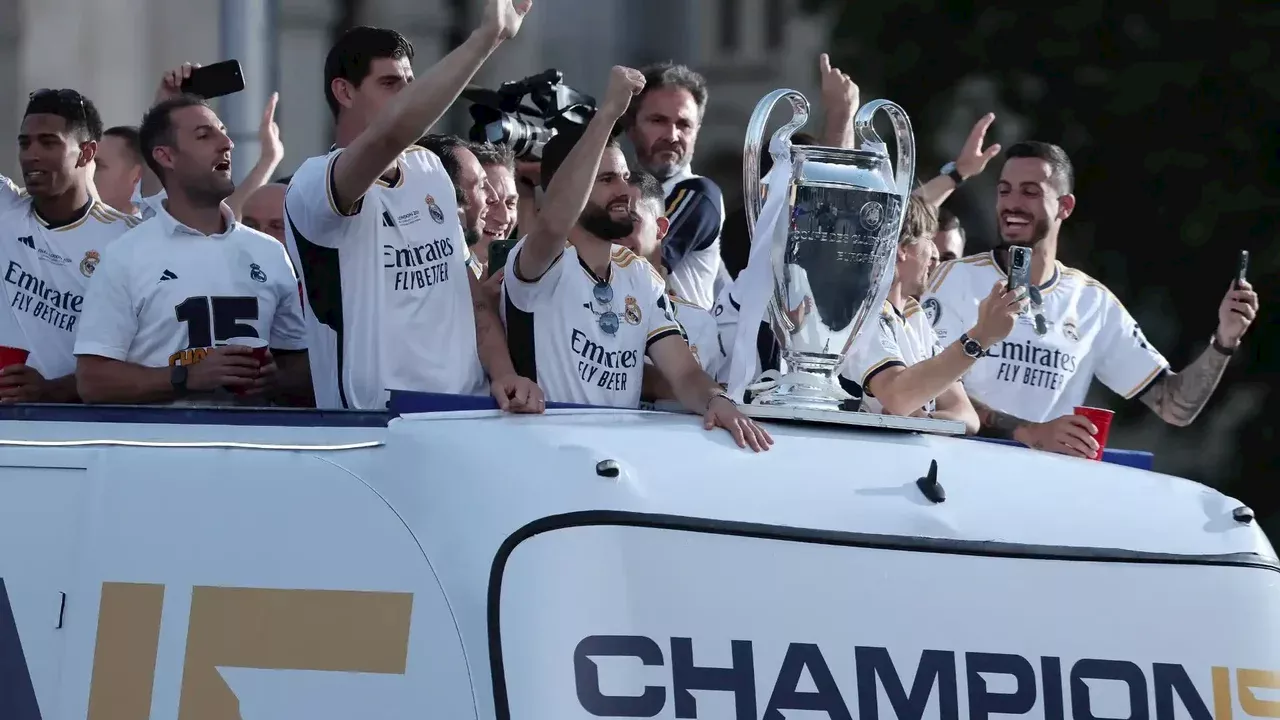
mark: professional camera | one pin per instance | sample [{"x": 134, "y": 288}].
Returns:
[{"x": 503, "y": 119}]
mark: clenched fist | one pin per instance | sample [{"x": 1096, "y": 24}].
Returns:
[{"x": 624, "y": 84}]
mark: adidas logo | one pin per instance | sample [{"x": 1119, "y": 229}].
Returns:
[
  {"x": 387, "y": 220},
  {"x": 28, "y": 240},
  {"x": 168, "y": 275}
]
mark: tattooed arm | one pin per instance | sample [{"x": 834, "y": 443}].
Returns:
[
  {"x": 1179, "y": 397},
  {"x": 995, "y": 424}
]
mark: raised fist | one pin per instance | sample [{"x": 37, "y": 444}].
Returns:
[{"x": 624, "y": 84}]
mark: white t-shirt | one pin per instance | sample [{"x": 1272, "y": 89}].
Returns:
[
  {"x": 554, "y": 333},
  {"x": 165, "y": 294},
  {"x": 700, "y": 332},
  {"x": 895, "y": 340},
  {"x": 725, "y": 313},
  {"x": 46, "y": 271},
  {"x": 1035, "y": 378},
  {"x": 388, "y": 298}
]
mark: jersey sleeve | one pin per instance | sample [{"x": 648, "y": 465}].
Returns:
[
  {"x": 11, "y": 196},
  {"x": 659, "y": 314},
  {"x": 695, "y": 211},
  {"x": 288, "y": 329},
  {"x": 875, "y": 350},
  {"x": 941, "y": 304},
  {"x": 109, "y": 322},
  {"x": 1127, "y": 363},
  {"x": 525, "y": 294},
  {"x": 310, "y": 204}
]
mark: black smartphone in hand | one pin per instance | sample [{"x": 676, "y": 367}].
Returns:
[
  {"x": 1019, "y": 268},
  {"x": 499, "y": 251},
  {"x": 216, "y": 80},
  {"x": 1243, "y": 269}
]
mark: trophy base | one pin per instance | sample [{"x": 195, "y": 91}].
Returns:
[{"x": 829, "y": 416}]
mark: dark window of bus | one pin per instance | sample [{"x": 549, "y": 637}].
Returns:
[
  {"x": 775, "y": 23},
  {"x": 730, "y": 17}
]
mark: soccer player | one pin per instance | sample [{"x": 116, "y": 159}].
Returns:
[
  {"x": 582, "y": 315},
  {"x": 1027, "y": 385},
  {"x": 499, "y": 167},
  {"x": 897, "y": 359},
  {"x": 663, "y": 128},
  {"x": 646, "y": 241},
  {"x": 117, "y": 167},
  {"x": 471, "y": 189},
  {"x": 178, "y": 304},
  {"x": 374, "y": 230},
  {"x": 53, "y": 234}
]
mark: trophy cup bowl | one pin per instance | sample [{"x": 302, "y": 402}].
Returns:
[{"x": 833, "y": 264}]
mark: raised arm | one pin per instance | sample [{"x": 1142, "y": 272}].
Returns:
[
  {"x": 839, "y": 104},
  {"x": 268, "y": 159},
  {"x": 570, "y": 188},
  {"x": 971, "y": 161},
  {"x": 415, "y": 109},
  {"x": 1177, "y": 398}
]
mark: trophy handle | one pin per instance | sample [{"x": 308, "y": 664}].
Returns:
[
  {"x": 753, "y": 196},
  {"x": 905, "y": 170}
]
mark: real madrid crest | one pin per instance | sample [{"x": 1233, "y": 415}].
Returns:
[
  {"x": 89, "y": 263},
  {"x": 1070, "y": 332},
  {"x": 436, "y": 213},
  {"x": 871, "y": 215},
  {"x": 255, "y": 272},
  {"x": 631, "y": 311}
]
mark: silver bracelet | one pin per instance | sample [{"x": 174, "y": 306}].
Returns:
[{"x": 721, "y": 394}]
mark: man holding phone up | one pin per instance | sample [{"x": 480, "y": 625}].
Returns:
[
  {"x": 1027, "y": 386},
  {"x": 373, "y": 227}
]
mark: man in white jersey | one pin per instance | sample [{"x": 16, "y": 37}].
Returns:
[
  {"x": 646, "y": 241},
  {"x": 171, "y": 299},
  {"x": 582, "y": 315},
  {"x": 663, "y": 126},
  {"x": 51, "y": 238},
  {"x": 897, "y": 359},
  {"x": 373, "y": 228},
  {"x": 1027, "y": 385}
]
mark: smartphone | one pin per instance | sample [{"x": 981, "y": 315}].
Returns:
[
  {"x": 216, "y": 80},
  {"x": 1243, "y": 269},
  {"x": 1019, "y": 267},
  {"x": 499, "y": 250}
]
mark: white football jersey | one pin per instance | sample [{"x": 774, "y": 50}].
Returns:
[
  {"x": 695, "y": 277},
  {"x": 388, "y": 298},
  {"x": 554, "y": 327},
  {"x": 46, "y": 271},
  {"x": 725, "y": 313},
  {"x": 1038, "y": 378},
  {"x": 700, "y": 332},
  {"x": 165, "y": 294},
  {"x": 897, "y": 339}
]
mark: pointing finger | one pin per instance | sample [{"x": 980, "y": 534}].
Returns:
[
  {"x": 980, "y": 129},
  {"x": 824, "y": 63}
]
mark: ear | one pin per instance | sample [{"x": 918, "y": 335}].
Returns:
[
  {"x": 663, "y": 226},
  {"x": 343, "y": 91},
  {"x": 902, "y": 252},
  {"x": 1066, "y": 206},
  {"x": 88, "y": 151},
  {"x": 163, "y": 155}
]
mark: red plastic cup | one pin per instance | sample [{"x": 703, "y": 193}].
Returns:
[
  {"x": 1101, "y": 419},
  {"x": 12, "y": 356},
  {"x": 259, "y": 348}
]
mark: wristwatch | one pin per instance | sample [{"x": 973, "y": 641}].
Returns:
[
  {"x": 971, "y": 347},
  {"x": 950, "y": 171},
  {"x": 719, "y": 394},
  {"x": 1222, "y": 349},
  {"x": 178, "y": 379}
]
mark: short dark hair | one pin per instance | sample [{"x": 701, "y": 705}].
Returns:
[
  {"x": 129, "y": 134},
  {"x": 78, "y": 111},
  {"x": 670, "y": 75},
  {"x": 157, "y": 128},
  {"x": 920, "y": 222},
  {"x": 351, "y": 57},
  {"x": 948, "y": 221},
  {"x": 558, "y": 148},
  {"x": 491, "y": 155},
  {"x": 444, "y": 147},
  {"x": 650, "y": 190},
  {"x": 1061, "y": 171}
]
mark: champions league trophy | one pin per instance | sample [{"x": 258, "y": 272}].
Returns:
[{"x": 830, "y": 240}]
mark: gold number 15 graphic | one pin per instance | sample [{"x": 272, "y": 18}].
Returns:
[{"x": 335, "y": 630}]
